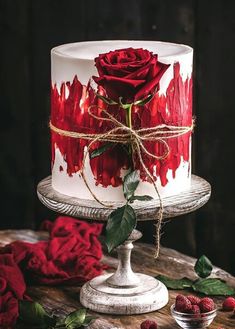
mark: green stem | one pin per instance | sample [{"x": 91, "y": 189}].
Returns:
[
  {"x": 129, "y": 119},
  {"x": 129, "y": 124}
]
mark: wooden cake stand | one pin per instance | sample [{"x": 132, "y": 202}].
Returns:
[{"x": 125, "y": 292}]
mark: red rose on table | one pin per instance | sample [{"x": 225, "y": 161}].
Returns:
[
  {"x": 12, "y": 288},
  {"x": 129, "y": 73}
]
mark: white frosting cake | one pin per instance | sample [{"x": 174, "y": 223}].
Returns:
[{"x": 72, "y": 66}]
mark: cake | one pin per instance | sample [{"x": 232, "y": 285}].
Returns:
[{"x": 74, "y": 91}]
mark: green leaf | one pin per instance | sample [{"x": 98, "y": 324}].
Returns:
[
  {"x": 121, "y": 223},
  {"x": 106, "y": 100},
  {"x": 100, "y": 150},
  {"x": 75, "y": 319},
  {"x": 60, "y": 324},
  {"x": 130, "y": 183},
  {"x": 143, "y": 102},
  {"x": 34, "y": 313},
  {"x": 141, "y": 198},
  {"x": 212, "y": 287},
  {"x": 203, "y": 267},
  {"x": 88, "y": 320},
  {"x": 176, "y": 284}
]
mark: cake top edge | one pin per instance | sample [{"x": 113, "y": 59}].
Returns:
[{"x": 88, "y": 50}]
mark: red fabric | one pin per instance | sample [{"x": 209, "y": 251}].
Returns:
[
  {"x": 12, "y": 288},
  {"x": 129, "y": 73},
  {"x": 70, "y": 256}
]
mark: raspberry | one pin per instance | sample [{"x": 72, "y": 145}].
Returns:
[
  {"x": 182, "y": 304},
  {"x": 148, "y": 324},
  {"x": 194, "y": 299},
  {"x": 206, "y": 305},
  {"x": 195, "y": 309},
  {"x": 229, "y": 304}
]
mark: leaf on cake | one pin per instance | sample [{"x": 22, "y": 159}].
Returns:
[
  {"x": 130, "y": 183},
  {"x": 145, "y": 101},
  {"x": 100, "y": 150},
  {"x": 106, "y": 100},
  {"x": 141, "y": 198}
]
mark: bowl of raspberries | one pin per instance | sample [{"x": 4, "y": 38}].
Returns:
[{"x": 191, "y": 312}]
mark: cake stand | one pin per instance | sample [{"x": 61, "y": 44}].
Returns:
[{"x": 125, "y": 292}]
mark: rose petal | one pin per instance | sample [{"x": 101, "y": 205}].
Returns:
[
  {"x": 114, "y": 62},
  {"x": 118, "y": 87},
  {"x": 152, "y": 85},
  {"x": 139, "y": 74}
]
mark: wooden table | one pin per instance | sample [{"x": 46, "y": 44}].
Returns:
[{"x": 172, "y": 263}]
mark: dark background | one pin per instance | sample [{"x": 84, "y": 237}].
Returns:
[{"x": 30, "y": 28}]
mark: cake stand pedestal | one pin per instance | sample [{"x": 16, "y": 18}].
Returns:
[{"x": 125, "y": 292}]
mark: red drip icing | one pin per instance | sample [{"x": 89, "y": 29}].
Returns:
[{"x": 71, "y": 113}]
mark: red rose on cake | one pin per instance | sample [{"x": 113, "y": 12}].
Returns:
[{"x": 132, "y": 74}]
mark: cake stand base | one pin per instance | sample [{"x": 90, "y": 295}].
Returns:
[
  {"x": 125, "y": 292},
  {"x": 100, "y": 296}
]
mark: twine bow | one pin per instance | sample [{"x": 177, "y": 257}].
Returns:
[{"x": 121, "y": 134}]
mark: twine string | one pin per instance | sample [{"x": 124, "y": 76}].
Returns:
[{"x": 122, "y": 134}]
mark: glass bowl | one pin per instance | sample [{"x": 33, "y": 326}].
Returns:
[{"x": 193, "y": 321}]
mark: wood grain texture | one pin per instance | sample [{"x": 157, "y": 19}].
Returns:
[
  {"x": 62, "y": 300},
  {"x": 193, "y": 198}
]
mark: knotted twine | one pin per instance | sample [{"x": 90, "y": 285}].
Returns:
[{"x": 122, "y": 134}]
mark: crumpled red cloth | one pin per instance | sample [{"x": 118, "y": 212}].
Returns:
[
  {"x": 70, "y": 256},
  {"x": 12, "y": 288}
]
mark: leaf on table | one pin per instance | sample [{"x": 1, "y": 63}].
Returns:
[
  {"x": 121, "y": 223},
  {"x": 130, "y": 183},
  {"x": 213, "y": 287},
  {"x": 176, "y": 284},
  {"x": 100, "y": 150},
  {"x": 75, "y": 319},
  {"x": 34, "y": 314},
  {"x": 88, "y": 320},
  {"x": 203, "y": 267}
]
